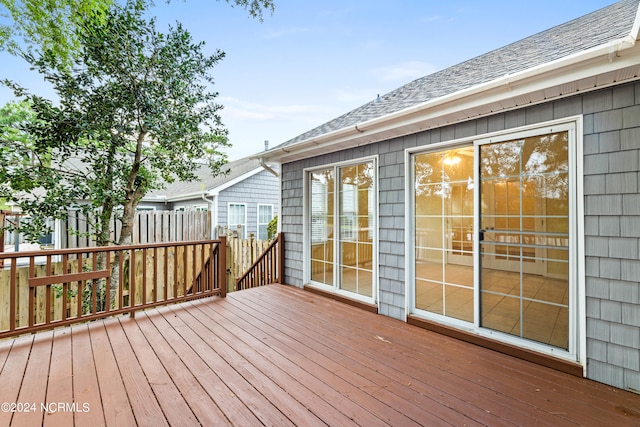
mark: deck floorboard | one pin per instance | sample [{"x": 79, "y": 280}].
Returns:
[{"x": 278, "y": 355}]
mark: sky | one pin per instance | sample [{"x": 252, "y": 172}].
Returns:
[{"x": 312, "y": 61}]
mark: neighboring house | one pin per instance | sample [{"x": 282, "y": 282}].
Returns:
[
  {"x": 496, "y": 200},
  {"x": 248, "y": 195}
]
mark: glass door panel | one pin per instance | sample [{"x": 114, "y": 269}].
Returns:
[
  {"x": 356, "y": 207},
  {"x": 524, "y": 238},
  {"x": 443, "y": 200},
  {"x": 322, "y": 204}
]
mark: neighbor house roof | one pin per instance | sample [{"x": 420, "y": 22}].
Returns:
[
  {"x": 205, "y": 183},
  {"x": 546, "y": 65}
]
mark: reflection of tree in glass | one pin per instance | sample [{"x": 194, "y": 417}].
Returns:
[
  {"x": 360, "y": 175},
  {"x": 434, "y": 172},
  {"x": 542, "y": 162},
  {"x": 325, "y": 177}
]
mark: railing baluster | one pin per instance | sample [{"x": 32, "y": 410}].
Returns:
[
  {"x": 107, "y": 290},
  {"x": 48, "y": 304},
  {"x": 12, "y": 297},
  {"x": 143, "y": 263},
  {"x": 32, "y": 293},
  {"x": 132, "y": 282},
  {"x": 80, "y": 287},
  {"x": 185, "y": 269},
  {"x": 120, "y": 278},
  {"x": 65, "y": 287},
  {"x": 94, "y": 285},
  {"x": 166, "y": 273},
  {"x": 155, "y": 274}
]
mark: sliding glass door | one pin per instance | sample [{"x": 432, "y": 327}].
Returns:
[
  {"x": 342, "y": 208},
  {"x": 494, "y": 236}
]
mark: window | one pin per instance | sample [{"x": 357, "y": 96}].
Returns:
[
  {"x": 237, "y": 217},
  {"x": 342, "y": 251},
  {"x": 265, "y": 215}
]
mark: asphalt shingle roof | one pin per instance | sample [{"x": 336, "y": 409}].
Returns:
[
  {"x": 204, "y": 180},
  {"x": 597, "y": 28}
]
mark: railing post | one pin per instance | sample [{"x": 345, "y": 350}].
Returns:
[
  {"x": 222, "y": 266},
  {"x": 281, "y": 257}
]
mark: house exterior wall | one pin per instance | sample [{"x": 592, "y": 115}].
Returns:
[
  {"x": 259, "y": 189},
  {"x": 611, "y": 179}
]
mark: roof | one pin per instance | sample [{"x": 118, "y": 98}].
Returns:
[
  {"x": 205, "y": 182},
  {"x": 616, "y": 23}
]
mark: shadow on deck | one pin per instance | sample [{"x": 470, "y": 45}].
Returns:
[{"x": 277, "y": 355}]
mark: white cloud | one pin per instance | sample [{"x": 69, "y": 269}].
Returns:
[
  {"x": 404, "y": 71},
  {"x": 429, "y": 19},
  {"x": 283, "y": 32},
  {"x": 237, "y": 109}
]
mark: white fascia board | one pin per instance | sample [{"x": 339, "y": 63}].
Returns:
[{"x": 610, "y": 57}]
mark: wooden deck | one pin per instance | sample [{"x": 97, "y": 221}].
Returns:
[{"x": 277, "y": 355}]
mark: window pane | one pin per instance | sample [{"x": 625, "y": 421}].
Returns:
[{"x": 322, "y": 187}]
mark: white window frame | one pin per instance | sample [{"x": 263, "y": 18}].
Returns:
[
  {"x": 265, "y": 225},
  {"x": 577, "y": 299},
  {"x": 235, "y": 226}
]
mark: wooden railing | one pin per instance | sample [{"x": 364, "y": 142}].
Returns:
[
  {"x": 46, "y": 289},
  {"x": 268, "y": 268}
]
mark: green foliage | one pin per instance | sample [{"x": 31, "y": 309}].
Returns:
[
  {"x": 272, "y": 227},
  {"x": 255, "y": 7},
  {"x": 54, "y": 25},
  {"x": 134, "y": 112},
  {"x": 47, "y": 25}
]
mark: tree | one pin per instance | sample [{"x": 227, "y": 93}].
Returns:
[
  {"x": 135, "y": 112},
  {"x": 52, "y": 25}
]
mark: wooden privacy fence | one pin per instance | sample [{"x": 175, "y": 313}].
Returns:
[
  {"x": 76, "y": 285},
  {"x": 148, "y": 227}
]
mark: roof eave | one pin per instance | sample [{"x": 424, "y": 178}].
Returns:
[{"x": 577, "y": 73}]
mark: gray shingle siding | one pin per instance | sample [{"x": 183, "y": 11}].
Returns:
[
  {"x": 259, "y": 189},
  {"x": 614, "y": 285},
  {"x": 611, "y": 166}
]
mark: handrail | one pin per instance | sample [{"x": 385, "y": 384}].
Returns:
[
  {"x": 69, "y": 286},
  {"x": 267, "y": 269}
]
